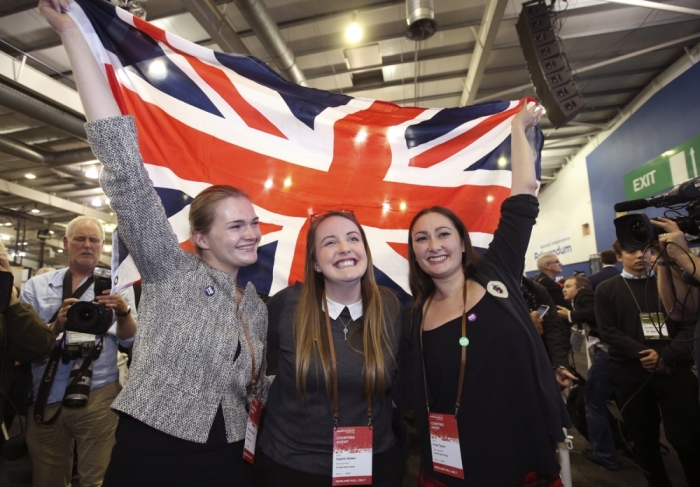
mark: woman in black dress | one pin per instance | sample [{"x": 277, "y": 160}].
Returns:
[{"x": 494, "y": 412}]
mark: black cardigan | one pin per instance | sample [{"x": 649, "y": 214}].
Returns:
[{"x": 502, "y": 262}]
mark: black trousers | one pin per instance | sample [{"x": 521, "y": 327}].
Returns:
[
  {"x": 146, "y": 457},
  {"x": 676, "y": 396},
  {"x": 387, "y": 471}
]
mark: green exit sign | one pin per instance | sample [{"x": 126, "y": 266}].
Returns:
[{"x": 661, "y": 173}]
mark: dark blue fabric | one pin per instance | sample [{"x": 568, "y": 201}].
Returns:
[{"x": 598, "y": 390}]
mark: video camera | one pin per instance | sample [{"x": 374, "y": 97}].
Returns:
[{"x": 636, "y": 232}]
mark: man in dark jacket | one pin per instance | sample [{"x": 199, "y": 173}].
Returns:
[
  {"x": 577, "y": 290},
  {"x": 609, "y": 261},
  {"x": 554, "y": 333},
  {"x": 550, "y": 267},
  {"x": 23, "y": 338},
  {"x": 651, "y": 360}
]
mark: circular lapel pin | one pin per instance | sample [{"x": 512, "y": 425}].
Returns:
[
  {"x": 497, "y": 288},
  {"x": 464, "y": 341},
  {"x": 209, "y": 290},
  {"x": 471, "y": 316}
]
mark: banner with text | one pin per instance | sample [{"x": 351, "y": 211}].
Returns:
[{"x": 559, "y": 244}]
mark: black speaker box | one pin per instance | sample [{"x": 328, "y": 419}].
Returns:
[{"x": 547, "y": 65}]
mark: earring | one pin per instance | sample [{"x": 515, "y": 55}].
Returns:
[{"x": 317, "y": 268}]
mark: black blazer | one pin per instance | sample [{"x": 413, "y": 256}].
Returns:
[
  {"x": 555, "y": 333},
  {"x": 602, "y": 275},
  {"x": 584, "y": 310},
  {"x": 553, "y": 289}
]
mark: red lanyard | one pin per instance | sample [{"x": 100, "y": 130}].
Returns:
[
  {"x": 334, "y": 369},
  {"x": 464, "y": 350}
]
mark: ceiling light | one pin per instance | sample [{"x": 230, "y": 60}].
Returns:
[
  {"x": 60, "y": 251},
  {"x": 22, "y": 254},
  {"x": 35, "y": 210},
  {"x": 92, "y": 173},
  {"x": 96, "y": 202},
  {"x": 30, "y": 175},
  {"x": 354, "y": 32},
  {"x": 5, "y": 237},
  {"x": 25, "y": 243},
  {"x": 107, "y": 248},
  {"x": 51, "y": 232},
  {"x": 8, "y": 224}
]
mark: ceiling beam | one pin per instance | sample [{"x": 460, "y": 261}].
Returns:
[
  {"x": 55, "y": 201},
  {"x": 657, "y": 6},
  {"x": 217, "y": 25},
  {"x": 482, "y": 51}
]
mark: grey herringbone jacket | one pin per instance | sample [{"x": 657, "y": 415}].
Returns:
[{"x": 190, "y": 352}]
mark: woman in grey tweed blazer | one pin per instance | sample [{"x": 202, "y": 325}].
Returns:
[{"x": 183, "y": 411}]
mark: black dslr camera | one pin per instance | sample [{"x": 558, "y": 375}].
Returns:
[
  {"x": 636, "y": 232},
  {"x": 92, "y": 317}
]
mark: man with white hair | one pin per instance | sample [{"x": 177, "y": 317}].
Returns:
[
  {"x": 90, "y": 427},
  {"x": 550, "y": 267}
]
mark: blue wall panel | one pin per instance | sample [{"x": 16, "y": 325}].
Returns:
[{"x": 668, "y": 119}]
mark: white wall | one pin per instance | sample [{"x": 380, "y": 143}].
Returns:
[{"x": 565, "y": 205}]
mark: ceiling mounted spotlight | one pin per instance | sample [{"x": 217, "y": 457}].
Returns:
[
  {"x": 420, "y": 16},
  {"x": 35, "y": 210},
  {"x": 354, "y": 32}
]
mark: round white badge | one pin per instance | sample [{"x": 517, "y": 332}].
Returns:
[{"x": 497, "y": 288}]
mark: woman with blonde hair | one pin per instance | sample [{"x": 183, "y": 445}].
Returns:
[
  {"x": 198, "y": 357},
  {"x": 338, "y": 340}
]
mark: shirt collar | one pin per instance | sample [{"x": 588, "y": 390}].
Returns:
[
  {"x": 627, "y": 275},
  {"x": 334, "y": 309}
]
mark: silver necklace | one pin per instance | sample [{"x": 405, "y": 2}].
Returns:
[{"x": 345, "y": 326}]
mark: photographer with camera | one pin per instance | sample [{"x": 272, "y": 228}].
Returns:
[
  {"x": 650, "y": 372},
  {"x": 75, "y": 388}
]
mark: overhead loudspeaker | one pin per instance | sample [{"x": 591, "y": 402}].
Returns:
[{"x": 547, "y": 64}]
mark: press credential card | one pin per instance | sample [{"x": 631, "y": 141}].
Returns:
[
  {"x": 251, "y": 431},
  {"x": 352, "y": 456},
  {"x": 444, "y": 442}
]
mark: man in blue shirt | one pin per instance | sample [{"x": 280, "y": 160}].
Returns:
[{"x": 91, "y": 428}]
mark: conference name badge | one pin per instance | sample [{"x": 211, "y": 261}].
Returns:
[
  {"x": 251, "y": 430},
  {"x": 497, "y": 288},
  {"x": 352, "y": 455},
  {"x": 444, "y": 442},
  {"x": 652, "y": 324}
]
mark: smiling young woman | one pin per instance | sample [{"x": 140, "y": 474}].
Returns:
[
  {"x": 337, "y": 339},
  {"x": 473, "y": 356}
]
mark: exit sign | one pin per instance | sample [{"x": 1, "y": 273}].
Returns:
[{"x": 661, "y": 173}]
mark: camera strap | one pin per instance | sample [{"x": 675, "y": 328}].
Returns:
[{"x": 46, "y": 384}]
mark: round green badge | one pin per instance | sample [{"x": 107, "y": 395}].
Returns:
[{"x": 464, "y": 341}]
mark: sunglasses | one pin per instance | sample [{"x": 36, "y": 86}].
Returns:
[{"x": 323, "y": 214}]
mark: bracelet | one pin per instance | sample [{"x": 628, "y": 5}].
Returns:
[{"x": 125, "y": 313}]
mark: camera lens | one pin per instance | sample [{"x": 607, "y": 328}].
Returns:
[{"x": 86, "y": 314}]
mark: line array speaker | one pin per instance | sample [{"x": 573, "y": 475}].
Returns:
[{"x": 546, "y": 62}]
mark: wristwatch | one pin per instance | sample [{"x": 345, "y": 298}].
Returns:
[{"x": 125, "y": 313}]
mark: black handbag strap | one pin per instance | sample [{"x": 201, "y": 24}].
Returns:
[
  {"x": 46, "y": 384},
  {"x": 67, "y": 286}
]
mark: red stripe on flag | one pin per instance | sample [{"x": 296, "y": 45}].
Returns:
[
  {"x": 216, "y": 78},
  {"x": 151, "y": 30},
  {"x": 451, "y": 147},
  {"x": 399, "y": 248},
  {"x": 266, "y": 228}
]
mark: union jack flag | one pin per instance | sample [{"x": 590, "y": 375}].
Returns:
[{"x": 206, "y": 118}]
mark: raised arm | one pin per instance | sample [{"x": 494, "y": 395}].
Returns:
[
  {"x": 522, "y": 155},
  {"x": 95, "y": 94}
]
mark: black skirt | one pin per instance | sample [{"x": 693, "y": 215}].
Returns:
[{"x": 144, "y": 456}]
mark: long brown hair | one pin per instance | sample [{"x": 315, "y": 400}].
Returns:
[
  {"x": 311, "y": 337},
  {"x": 422, "y": 285},
  {"x": 203, "y": 208}
]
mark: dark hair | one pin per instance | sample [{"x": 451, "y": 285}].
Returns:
[
  {"x": 420, "y": 282},
  {"x": 608, "y": 257},
  {"x": 203, "y": 208},
  {"x": 617, "y": 249},
  {"x": 581, "y": 281}
]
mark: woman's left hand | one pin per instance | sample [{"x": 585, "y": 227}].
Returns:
[{"x": 528, "y": 116}]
